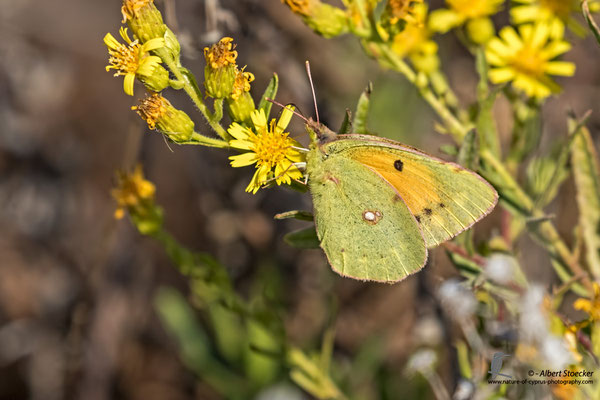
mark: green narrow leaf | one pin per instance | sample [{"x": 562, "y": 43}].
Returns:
[
  {"x": 295, "y": 214},
  {"x": 362, "y": 111},
  {"x": 469, "y": 151},
  {"x": 195, "y": 350},
  {"x": 588, "y": 17},
  {"x": 303, "y": 239},
  {"x": 468, "y": 157},
  {"x": 270, "y": 93},
  {"x": 485, "y": 123},
  {"x": 527, "y": 130},
  {"x": 587, "y": 180},
  {"x": 346, "y": 126}
]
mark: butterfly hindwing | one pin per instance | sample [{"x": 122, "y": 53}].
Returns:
[
  {"x": 364, "y": 227},
  {"x": 444, "y": 198}
]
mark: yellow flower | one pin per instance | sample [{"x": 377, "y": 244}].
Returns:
[
  {"x": 323, "y": 18},
  {"x": 131, "y": 8},
  {"x": 220, "y": 70},
  {"x": 241, "y": 83},
  {"x": 159, "y": 113},
  {"x": 591, "y": 307},
  {"x": 474, "y": 14},
  {"x": 526, "y": 59},
  {"x": 221, "y": 54},
  {"x": 301, "y": 7},
  {"x": 134, "y": 59},
  {"x": 556, "y": 13},
  {"x": 414, "y": 42},
  {"x": 132, "y": 190},
  {"x": 269, "y": 147},
  {"x": 402, "y": 10},
  {"x": 240, "y": 103}
]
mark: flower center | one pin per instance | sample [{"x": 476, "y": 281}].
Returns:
[
  {"x": 270, "y": 148},
  {"x": 560, "y": 8},
  {"x": 529, "y": 62},
  {"x": 125, "y": 59},
  {"x": 221, "y": 54},
  {"x": 473, "y": 8},
  {"x": 152, "y": 109}
]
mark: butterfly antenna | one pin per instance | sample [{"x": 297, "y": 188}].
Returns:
[
  {"x": 286, "y": 106},
  {"x": 312, "y": 88}
]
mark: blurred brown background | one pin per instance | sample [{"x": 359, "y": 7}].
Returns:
[{"x": 76, "y": 286}]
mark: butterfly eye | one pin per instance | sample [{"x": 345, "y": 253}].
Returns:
[{"x": 398, "y": 164}]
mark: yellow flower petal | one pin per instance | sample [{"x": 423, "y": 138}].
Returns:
[
  {"x": 243, "y": 160},
  {"x": 259, "y": 119},
  {"x": 562, "y": 68},
  {"x": 501, "y": 75},
  {"x": 128, "y": 84}
]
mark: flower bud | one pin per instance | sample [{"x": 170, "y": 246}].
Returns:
[
  {"x": 135, "y": 194},
  {"x": 326, "y": 20},
  {"x": 144, "y": 19},
  {"x": 240, "y": 102},
  {"x": 220, "y": 70},
  {"x": 161, "y": 115}
]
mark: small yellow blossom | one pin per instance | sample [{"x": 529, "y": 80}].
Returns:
[
  {"x": 591, "y": 307},
  {"x": 474, "y": 14},
  {"x": 131, "y": 8},
  {"x": 323, "y": 18},
  {"x": 525, "y": 58},
  {"x": 134, "y": 59},
  {"x": 221, "y": 69},
  {"x": 159, "y": 113},
  {"x": 301, "y": 7},
  {"x": 132, "y": 191},
  {"x": 401, "y": 10},
  {"x": 269, "y": 147},
  {"x": 556, "y": 13},
  {"x": 240, "y": 103},
  {"x": 221, "y": 54},
  {"x": 242, "y": 83},
  {"x": 414, "y": 42}
]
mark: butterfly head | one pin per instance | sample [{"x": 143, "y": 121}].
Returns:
[{"x": 319, "y": 133}]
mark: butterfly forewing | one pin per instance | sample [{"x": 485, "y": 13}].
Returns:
[
  {"x": 443, "y": 197},
  {"x": 364, "y": 227}
]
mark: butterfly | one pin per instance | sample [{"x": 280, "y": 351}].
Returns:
[{"x": 379, "y": 205}]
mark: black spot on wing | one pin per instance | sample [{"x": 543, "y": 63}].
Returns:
[
  {"x": 427, "y": 211},
  {"x": 418, "y": 218},
  {"x": 398, "y": 164}
]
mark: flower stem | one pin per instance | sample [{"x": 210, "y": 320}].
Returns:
[{"x": 193, "y": 91}]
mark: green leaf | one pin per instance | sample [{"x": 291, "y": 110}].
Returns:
[
  {"x": 587, "y": 180},
  {"x": 469, "y": 151},
  {"x": 195, "y": 349},
  {"x": 527, "y": 130},
  {"x": 296, "y": 214},
  {"x": 588, "y": 17},
  {"x": 362, "y": 111},
  {"x": 346, "y": 126},
  {"x": 303, "y": 239},
  {"x": 270, "y": 93},
  {"x": 485, "y": 122}
]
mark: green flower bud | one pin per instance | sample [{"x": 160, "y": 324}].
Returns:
[
  {"x": 161, "y": 115},
  {"x": 144, "y": 19},
  {"x": 324, "y": 19},
  {"x": 220, "y": 70},
  {"x": 172, "y": 45},
  {"x": 240, "y": 103}
]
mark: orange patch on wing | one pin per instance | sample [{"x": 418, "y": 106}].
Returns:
[{"x": 414, "y": 182}]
